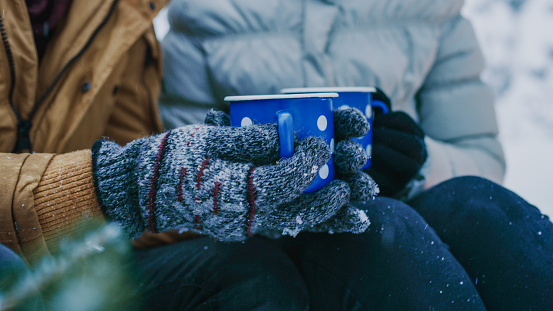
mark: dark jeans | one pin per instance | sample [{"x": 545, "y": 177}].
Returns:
[
  {"x": 466, "y": 244},
  {"x": 504, "y": 243}
]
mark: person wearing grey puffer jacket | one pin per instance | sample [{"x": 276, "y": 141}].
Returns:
[
  {"x": 444, "y": 234},
  {"x": 422, "y": 54}
]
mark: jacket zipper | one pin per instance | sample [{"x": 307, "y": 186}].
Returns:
[
  {"x": 23, "y": 126},
  {"x": 23, "y": 143}
]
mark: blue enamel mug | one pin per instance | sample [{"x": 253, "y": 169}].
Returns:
[
  {"x": 303, "y": 114},
  {"x": 366, "y": 99}
]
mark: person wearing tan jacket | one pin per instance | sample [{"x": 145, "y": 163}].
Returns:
[
  {"x": 90, "y": 82},
  {"x": 79, "y": 82}
]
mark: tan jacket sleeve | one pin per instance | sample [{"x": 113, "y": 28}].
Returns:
[{"x": 44, "y": 196}]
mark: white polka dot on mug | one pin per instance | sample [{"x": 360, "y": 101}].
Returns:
[{"x": 246, "y": 121}]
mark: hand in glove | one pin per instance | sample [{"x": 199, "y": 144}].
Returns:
[
  {"x": 348, "y": 158},
  {"x": 398, "y": 151},
  {"x": 220, "y": 181}
]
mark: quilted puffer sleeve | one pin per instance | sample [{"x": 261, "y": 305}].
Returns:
[{"x": 457, "y": 111}]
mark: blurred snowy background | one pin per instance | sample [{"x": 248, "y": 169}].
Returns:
[{"x": 516, "y": 38}]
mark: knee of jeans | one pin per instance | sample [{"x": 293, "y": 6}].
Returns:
[
  {"x": 470, "y": 199},
  {"x": 268, "y": 275},
  {"x": 396, "y": 222},
  {"x": 469, "y": 191},
  {"x": 473, "y": 184}
]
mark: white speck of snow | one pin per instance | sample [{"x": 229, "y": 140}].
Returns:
[
  {"x": 314, "y": 169},
  {"x": 298, "y": 220},
  {"x": 362, "y": 216},
  {"x": 291, "y": 232},
  {"x": 539, "y": 232}
]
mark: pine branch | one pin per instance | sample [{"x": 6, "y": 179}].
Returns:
[{"x": 95, "y": 260}]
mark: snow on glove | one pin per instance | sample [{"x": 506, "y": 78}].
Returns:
[
  {"x": 398, "y": 151},
  {"x": 190, "y": 178}
]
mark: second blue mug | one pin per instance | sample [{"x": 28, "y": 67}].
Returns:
[{"x": 366, "y": 99}]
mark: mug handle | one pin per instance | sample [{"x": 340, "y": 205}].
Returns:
[
  {"x": 285, "y": 133},
  {"x": 381, "y": 101}
]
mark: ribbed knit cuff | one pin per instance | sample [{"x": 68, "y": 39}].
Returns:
[{"x": 65, "y": 196}]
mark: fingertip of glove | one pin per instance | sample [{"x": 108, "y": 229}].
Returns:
[
  {"x": 353, "y": 220},
  {"x": 349, "y": 157},
  {"x": 363, "y": 187},
  {"x": 350, "y": 122}
]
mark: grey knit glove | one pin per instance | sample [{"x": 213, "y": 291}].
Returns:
[
  {"x": 349, "y": 157},
  {"x": 190, "y": 178}
]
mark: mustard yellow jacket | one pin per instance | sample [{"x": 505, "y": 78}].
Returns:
[{"x": 99, "y": 77}]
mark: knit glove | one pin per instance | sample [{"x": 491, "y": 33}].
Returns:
[
  {"x": 224, "y": 182},
  {"x": 349, "y": 156},
  {"x": 398, "y": 151}
]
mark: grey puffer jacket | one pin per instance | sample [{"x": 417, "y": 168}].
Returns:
[{"x": 422, "y": 53}]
